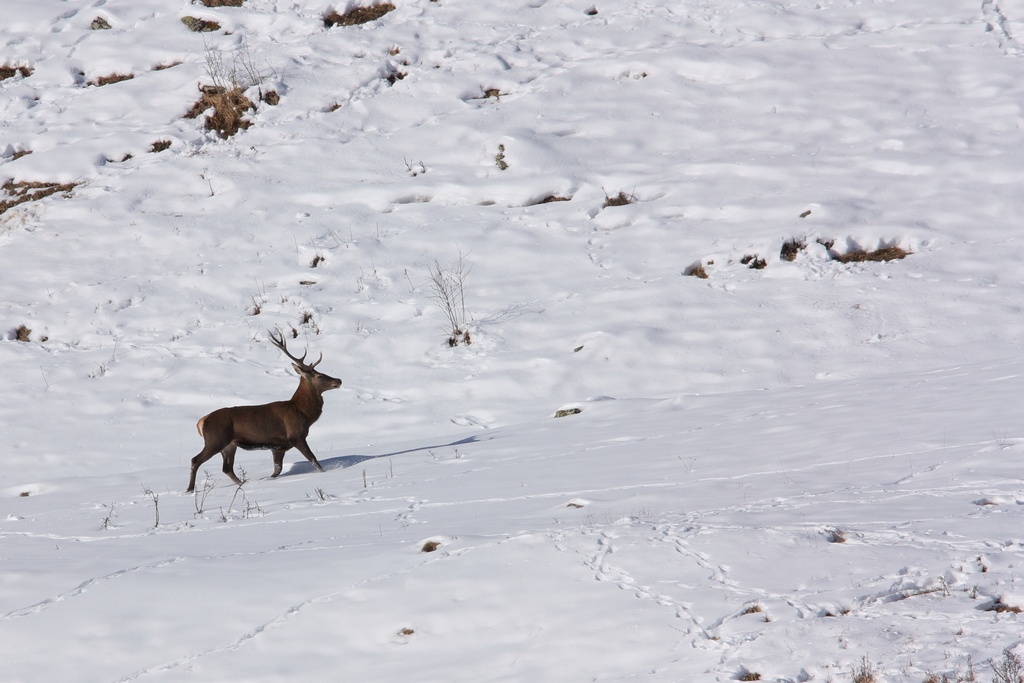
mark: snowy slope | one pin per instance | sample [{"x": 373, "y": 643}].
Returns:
[{"x": 732, "y": 428}]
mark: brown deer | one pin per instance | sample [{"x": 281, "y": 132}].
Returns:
[{"x": 276, "y": 426}]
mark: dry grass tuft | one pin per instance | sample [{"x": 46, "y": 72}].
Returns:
[
  {"x": 111, "y": 78},
  {"x": 20, "y": 153},
  {"x": 222, "y": 3},
  {"x": 22, "y": 333},
  {"x": 552, "y": 198},
  {"x": 864, "y": 673},
  {"x": 835, "y": 536},
  {"x": 621, "y": 199},
  {"x": 229, "y": 108},
  {"x": 430, "y": 546},
  {"x": 857, "y": 255},
  {"x": 357, "y": 15},
  {"x": 1001, "y": 607},
  {"x": 792, "y": 247},
  {"x": 697, "y": 270},
  {"x": 10, "y": 71},
  {"x": 160, "y": 145},
  {"x": 754, "y": 261},
  {"x": 25, "y": 191},
  {"x": 883, "y": 254},
  {"x": 749, "y": 676}
]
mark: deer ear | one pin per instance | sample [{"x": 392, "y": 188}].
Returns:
[{"x": 298, "y": 368}]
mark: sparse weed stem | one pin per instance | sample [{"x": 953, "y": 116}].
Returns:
[
  {"x": 108, "y": 521},
  {"x": 155, "y": 497},
  {"x": 200, "y": 496},
  {"x": 448, "y": 291}
]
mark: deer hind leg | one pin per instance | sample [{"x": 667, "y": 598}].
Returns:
[
  {"x": 228, "y": 452},
  {"x": 278, "y": 461},
  {"x": 303, "y": 448},
  {"x": 203, "y": 455}
]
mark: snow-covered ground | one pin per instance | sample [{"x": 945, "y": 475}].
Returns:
[{"x": 794, "y": 472}]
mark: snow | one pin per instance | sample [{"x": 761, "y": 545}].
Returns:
[{"x": 787, "y": 472}]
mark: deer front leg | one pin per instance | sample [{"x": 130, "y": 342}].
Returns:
[
  {"x": 278, "y": 461},
  {"x": 303, "y": 448}
]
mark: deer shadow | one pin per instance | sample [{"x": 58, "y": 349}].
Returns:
[{"x": 345, "y": 461}]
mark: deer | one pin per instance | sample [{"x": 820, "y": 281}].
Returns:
[{"x": 276, "y": 427}]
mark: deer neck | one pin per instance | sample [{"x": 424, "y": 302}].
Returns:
[{"x": 308, "y": 400}]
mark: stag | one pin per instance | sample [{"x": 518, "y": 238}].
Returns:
[{"x": 276, "y": 427}]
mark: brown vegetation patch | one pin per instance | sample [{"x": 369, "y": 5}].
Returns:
[
  {"x": 162, "y": 67},
  {"x": 697, "y": 270},
  {"x": 552, "y": 198},
  {"x": 271, "y": 97},
  {"x": 160, "y": 145},
  {"x": 222, "y": 3},
  {"x": 790, "y": 249},
  {"x": 229, "y": 106},
  {"x": 883, "y": 254},
  {"x": 621, "y": 199},
  {"x": 200, "y": 25},
  {"x": 357, "y": 15},
  {"x": 111, "y": 78},
  {"x": 430, "y": 546},
  {"x": 20, "y": 153},
  {"x": 22, "y": 333},
  {"x": 100, "y": 24},
  {"x": 1000, "y": 606},
  {"x": 754, "y": 261},
  {"x": 25, "y": 191},
  {"x": 10, "y": 71},
  {"x": 858, "y": 255}
]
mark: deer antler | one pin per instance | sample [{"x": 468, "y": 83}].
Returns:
[{"x": 278, "y": 341}]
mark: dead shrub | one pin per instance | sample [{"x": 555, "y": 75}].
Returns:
[
  {"x": 25, "y": 191},
  {"x": 430, "y": 546},
  {"x": 10, "y": 71},
  {"x": 200, "y": 25},
  {"x": 111, "y": 78},
  {"x": 229, "y": 107},
  {"x": 160, "y": 145},
  {"x": 357, "y": 15},
  {"x": 22, "y": 333}
]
